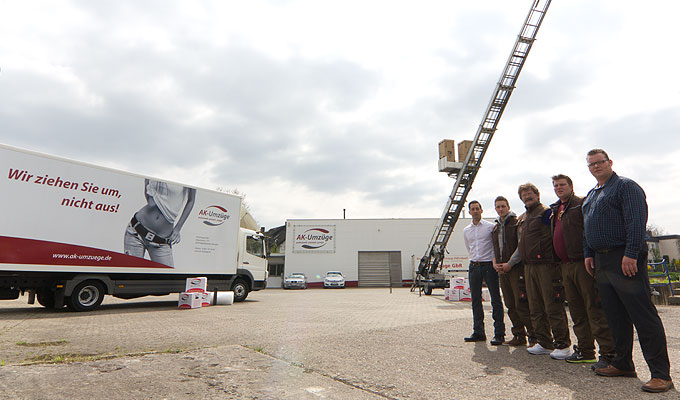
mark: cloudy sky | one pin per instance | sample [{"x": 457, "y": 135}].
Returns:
[{"x": 309, "y": 107}]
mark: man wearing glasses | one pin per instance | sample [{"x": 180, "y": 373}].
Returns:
[{"x": 615, "y": 218}]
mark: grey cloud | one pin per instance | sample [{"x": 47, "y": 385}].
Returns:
[{"x": 648, "y": 132}]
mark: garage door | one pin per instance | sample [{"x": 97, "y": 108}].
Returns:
[{"x": 375, "y": 266}]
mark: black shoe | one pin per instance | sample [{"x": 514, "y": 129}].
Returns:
[
  {"x": 604, "y": 361},
  {"x": 476, "y": 337},
  {"x": 497, "y": 340},
  {"x": 577, "y": 357}
]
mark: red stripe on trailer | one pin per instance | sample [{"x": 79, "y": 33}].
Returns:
[{"x": 15, "y": 250}]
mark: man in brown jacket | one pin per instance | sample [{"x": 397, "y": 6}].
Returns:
[
  {"x": 542, "y": 275},
  {"x": 511, "y": 276},
  {"x": 590, "y": 321}
]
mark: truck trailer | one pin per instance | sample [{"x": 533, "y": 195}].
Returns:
[{"x": 72, "y": 232}]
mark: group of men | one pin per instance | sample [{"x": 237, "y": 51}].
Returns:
[{"x": 588, "y": 251}]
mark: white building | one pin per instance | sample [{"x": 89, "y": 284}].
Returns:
[
  {"x": 665, "y": 245},
  {"x": 366, "y": 251}
]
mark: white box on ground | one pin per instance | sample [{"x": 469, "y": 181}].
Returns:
[
  {"x": 199, "y": 284},
  {"x": 464, "y": 295},
  {"x": 207, "y": 299},
  {"x": 190, "y": 300},
  {"x": 486, "y": 296},
  {"x": 459, "y": 283}
]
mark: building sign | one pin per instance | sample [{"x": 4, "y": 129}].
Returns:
[
  {"x": 456, "y": 262},
  {"x": 314, "y": 239}
]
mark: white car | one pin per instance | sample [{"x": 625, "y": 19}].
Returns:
[
  {"x": 295, "y": 280},
  {"x": 334, "y": 279}
]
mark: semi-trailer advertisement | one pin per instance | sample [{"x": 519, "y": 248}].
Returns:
[{"x": 57, "y": 214}]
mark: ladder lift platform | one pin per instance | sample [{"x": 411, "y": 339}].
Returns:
[{"x": 464, "y": 172}]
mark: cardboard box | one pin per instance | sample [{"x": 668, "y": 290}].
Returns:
[
  {"x": 463, "y": 148},
  {"x": 447, "y": 149},
  {"x": 189, "y": 300},
  {"x": 459, "y": 283},
  {"x": 207, "y": 299},
  {"x": 455, "y": 295},
  {"x": 460, "y": 295},
  {"x": 486, "y": 296},
  {"x": 199, "y": 284}
]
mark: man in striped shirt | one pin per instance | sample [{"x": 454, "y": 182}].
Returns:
[{"x": 615, "y": 218}]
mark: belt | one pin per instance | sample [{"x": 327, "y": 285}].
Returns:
[
  {"x": 145, "y": 233},
  {"x": 480, "y": 263},
  {"x": 605, "y": 251}
]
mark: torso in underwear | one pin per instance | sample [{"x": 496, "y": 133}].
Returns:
[{"x": 152, "y": 218}]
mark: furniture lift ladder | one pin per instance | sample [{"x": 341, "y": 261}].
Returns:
[{"x": 434, "y": 256}]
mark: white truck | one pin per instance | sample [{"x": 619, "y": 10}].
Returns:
[{"x": 72, "y": 232}]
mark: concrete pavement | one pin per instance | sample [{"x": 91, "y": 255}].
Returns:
[{"x": 335, "y": 344}]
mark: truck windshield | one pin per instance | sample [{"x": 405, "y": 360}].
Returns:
[{"x": 255, "y": 246}]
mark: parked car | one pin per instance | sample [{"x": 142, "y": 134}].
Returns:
[
  {"x": 295, "y": 280},
  {"x": 334, "y": 279}
]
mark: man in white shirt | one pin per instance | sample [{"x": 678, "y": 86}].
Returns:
[{"x": 479, "y": 244}]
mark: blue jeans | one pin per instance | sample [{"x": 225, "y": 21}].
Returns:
[
  {"x": 136, "y": 245},
  {"x": 485, "y": 272}
]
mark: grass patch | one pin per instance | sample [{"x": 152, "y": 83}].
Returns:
[
  {"x": 64, "y": 358},
  {"x": 259, "y": 349},
  {"x": 171, "y": 351},
  {"x": 42, "y": 344},
  {"x": 658, "y": 280}
]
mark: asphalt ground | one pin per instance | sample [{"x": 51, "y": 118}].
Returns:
[{"x": 350, "y": 343}]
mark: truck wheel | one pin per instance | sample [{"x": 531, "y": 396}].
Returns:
[
  {"x": 46, "y": 299},
  {"x": 240, "y": 288},
  {"x": 87, "y": 296},
  {"x": 427, "y": 290}
]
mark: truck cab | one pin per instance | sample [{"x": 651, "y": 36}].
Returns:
[{"x": 252, "y": 264}]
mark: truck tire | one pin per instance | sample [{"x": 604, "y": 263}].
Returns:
[
  {"x": 86, "y": 296},
  {"x": 427, "y": 290},
  {"x": 240, "y": 289},
  {"x": 46, "y": 299}
]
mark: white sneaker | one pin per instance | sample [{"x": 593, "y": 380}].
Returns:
[
  {"x": 560, "y": 354},
  {"x": 538, "y": 350}
]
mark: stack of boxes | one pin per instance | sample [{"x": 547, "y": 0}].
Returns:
[
  {"x": 447, "y": 149},
  {"x": 459, "y": 290},
  {"x": 463, "y": 148},
  {"x": 195, "y": 294}
]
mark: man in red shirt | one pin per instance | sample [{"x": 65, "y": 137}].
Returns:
[{"x": 585, "y": 308}]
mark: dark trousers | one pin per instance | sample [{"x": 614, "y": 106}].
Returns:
[
  {"x": 627, "y": 303},
  {"x": 586, "y": 311},
  {"x": 512, "y": 285},
  {"x": 476, "y": 275}
]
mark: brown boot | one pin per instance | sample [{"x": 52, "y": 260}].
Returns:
[
  {"x": 517, "y": 341},
  {"x": 613, "y": 371},
  {"x": 656, "y": 385}
]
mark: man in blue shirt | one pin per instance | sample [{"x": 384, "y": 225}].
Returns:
[{"x": 615, "y": 218}]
